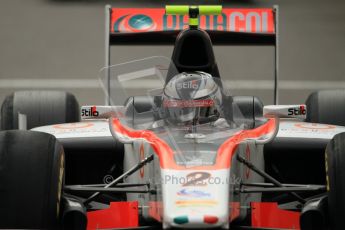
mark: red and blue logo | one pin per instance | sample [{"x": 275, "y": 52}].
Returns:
[
  {"x": 193, "y": 193},
  {"x": 135, "y": 23}
]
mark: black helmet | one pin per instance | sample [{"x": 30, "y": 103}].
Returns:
[{"x": 191, "y": 98}]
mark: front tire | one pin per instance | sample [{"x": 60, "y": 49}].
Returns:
[
  {"x": 335, "y": 172},
  {"x": 31, "y": 180}
]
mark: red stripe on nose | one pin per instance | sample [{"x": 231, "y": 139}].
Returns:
[{"x": 210, "y": 219}]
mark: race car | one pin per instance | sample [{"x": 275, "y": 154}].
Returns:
[{"x": 173, "y": 147}]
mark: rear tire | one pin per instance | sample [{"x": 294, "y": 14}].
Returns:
[
  {"x": 326, "y": 107},
  {"x": 40, "y": 107},
  {"x": 335, "y": 172},
  {"x": 31, "y": 180}
]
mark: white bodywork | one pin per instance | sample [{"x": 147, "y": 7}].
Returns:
[
  {"x": 100, "y": 128},
  {"x": 185, "y": 203}
]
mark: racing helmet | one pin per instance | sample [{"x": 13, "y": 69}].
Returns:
[{"x": 191, "y": 98}]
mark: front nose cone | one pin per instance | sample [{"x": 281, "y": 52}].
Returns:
[{"x": 197, "y": 205}]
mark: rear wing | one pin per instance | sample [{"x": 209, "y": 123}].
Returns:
[{"x": 151, "y": 26}]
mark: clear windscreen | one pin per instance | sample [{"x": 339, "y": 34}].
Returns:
[{"x": 193, "y": 112}]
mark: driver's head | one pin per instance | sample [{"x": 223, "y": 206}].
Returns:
[{"x": 191, "y": 98}]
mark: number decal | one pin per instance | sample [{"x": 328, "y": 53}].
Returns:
[{"x": 197, "y": 179}]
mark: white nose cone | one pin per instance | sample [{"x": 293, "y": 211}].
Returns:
[{"x": 195, "y": 199}]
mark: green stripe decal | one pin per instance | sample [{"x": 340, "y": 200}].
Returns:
[{"x": 181, "y": 220}]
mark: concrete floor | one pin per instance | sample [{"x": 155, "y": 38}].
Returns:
[{"x": 58, "y": 44}]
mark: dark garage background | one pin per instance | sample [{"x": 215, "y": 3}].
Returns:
[{"x": 58, "y": 44}]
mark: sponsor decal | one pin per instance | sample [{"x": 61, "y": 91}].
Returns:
[
  {"x": 132, "y": 20},
  {"x": 188, "y": 103},
  {"x": 197, "y": 179},
  {"x": 187, "y": 85},
  {"x": 314, "y": 126},
  {"x": 90, "y": 112},
  {"x": 297, "y": 111},
  {"x": 196, "y": 203},
  {"x": 135, "y": 23},
  {"x": 101, "y": 112},
  {"x": 80, "y": 125},
  {"x": 193, "y": 193},
  {"x": 285, "y": 111}
]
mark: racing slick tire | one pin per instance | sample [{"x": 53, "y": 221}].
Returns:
[
  {"x": 40, "y": 107},
  {"x": 326, "y": 107},
  {"x": 335, "y": 177},
  {"x": 31, "y": 180}
]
